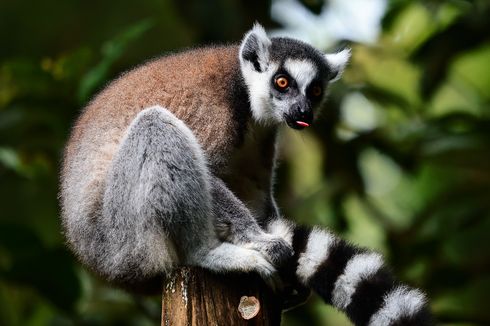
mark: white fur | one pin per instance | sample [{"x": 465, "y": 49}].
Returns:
[
  {"x": 317, "y": 250},
  {"x": 229, "y": 257},
  {"x": 283, "y": 229},
  {"x": 338, "y": 61},
  {"x": 258, "y": 82},
  {"x": 358, "y": 268},
  {"x": 303, "y": 71},
  {"x": 400, "y": 302}
]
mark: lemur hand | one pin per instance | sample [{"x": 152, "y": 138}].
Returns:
[{"x": 275, "y": 249}]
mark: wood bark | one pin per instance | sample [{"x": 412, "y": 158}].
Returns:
[{"x": 196, "y": 297}]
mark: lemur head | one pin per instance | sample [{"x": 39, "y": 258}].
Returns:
[{"x": 286, "y": 78}]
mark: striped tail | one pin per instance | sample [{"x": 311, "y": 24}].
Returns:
[{"x": 352, "y": 279}]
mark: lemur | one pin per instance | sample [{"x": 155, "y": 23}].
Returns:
[{"x": 172, "y": 164}]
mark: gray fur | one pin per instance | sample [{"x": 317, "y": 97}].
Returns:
[
  {"x": 149, "y": 223},
  {"x": 235, "y": 224},
  {"x": 146, "y": 196}
]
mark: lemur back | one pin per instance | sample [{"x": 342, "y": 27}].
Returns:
[
  {"x": 193, "y": 85},
  {"x": 172, "y": 164}
]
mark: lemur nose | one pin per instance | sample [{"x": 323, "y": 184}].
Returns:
[
  {"x": 303, "y": 112},
  {"x": 302, "y": 115}
]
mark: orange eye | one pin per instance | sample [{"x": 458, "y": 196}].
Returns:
[
  {"x": 316, "y": 91},
  {"x": 282, "y": 82}
]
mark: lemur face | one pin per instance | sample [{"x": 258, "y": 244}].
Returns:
[
  {"x": 296, "y": 89},
  {"x": 286, "y": 78}
]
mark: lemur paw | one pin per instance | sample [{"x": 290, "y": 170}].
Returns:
[
  {"x": 268, "y": 273},
  {"x": 276, "y": 250}
]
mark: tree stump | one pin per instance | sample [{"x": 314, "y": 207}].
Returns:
[{"x": 196, "y": 297}]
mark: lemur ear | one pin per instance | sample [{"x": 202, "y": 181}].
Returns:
[
  {"x": 337, "y": 62},
  {"x": 255, "y": 47}
]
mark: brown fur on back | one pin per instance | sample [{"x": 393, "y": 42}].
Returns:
[{"x": 199, "y": 86}]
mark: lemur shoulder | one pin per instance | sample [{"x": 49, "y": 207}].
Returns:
[{"x": 172, "y": 164}]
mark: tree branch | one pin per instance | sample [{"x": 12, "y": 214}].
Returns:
[{"x": 194, "y": 296}]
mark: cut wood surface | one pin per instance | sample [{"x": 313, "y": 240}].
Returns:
[{"x": 193, "y": 296}]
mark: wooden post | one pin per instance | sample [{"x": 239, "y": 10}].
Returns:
[{"x": 196, "y": 297}]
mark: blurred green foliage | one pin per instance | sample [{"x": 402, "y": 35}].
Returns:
[{"x": 399, "y": 161}]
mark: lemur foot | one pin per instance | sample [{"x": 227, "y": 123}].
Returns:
[
  {"x": 267, "y": 271},
  {"x": 273, "y": 281}
]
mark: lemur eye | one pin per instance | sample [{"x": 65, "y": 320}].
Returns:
[
  {"x": 316, "y": 91},
  {"x": 281, "y": 82}
]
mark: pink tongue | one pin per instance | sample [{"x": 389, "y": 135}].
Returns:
[{"x": 302, "y": 124}]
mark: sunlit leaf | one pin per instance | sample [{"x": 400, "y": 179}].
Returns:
[
  {"x": 412, "y": 26},
  {"x": 474, "y": 68},
  {"x": 388, "y": 72}
]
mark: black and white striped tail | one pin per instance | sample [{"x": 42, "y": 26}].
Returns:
[{"x": 352, "y": 279}]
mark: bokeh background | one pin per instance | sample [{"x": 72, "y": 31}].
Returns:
[{"x": 399, "y": 160}]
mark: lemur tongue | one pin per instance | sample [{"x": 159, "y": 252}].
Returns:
[{"x": 302, "y": 124}]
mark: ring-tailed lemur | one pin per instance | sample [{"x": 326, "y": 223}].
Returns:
[{"x": 172, "y": 165}]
